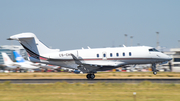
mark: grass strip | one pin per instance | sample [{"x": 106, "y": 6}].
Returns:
[{"x": 63, "y": 91}]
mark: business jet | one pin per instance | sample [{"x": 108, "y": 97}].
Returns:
[
  {"x": 8, "y": 63},
  {"x": 20, "y": 59},
  {"x": 90, "y": 60}
]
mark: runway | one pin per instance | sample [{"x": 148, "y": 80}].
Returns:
[{"x": 128, "y": 80}]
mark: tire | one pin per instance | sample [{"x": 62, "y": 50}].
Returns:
[
  {"x": 92, "y": 76},
  {"x": 154, "y": 73},
  {"x": 88, "y": 76}
]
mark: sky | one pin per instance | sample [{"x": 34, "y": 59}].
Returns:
[{"x": 73, "y": 24}]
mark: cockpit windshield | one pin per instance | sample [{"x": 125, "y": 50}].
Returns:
[{"x": 153, "y": 50}]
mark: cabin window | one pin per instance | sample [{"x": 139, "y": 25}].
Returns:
[
  {"x": 104, "y": 55},
  {"x": 111, "y": 54},
  {"x": 97, "y": 55},
  {"x": 123, "y": 54},
  {"x": 117, "y": 54},
  {"x": 130, "y": 54}
]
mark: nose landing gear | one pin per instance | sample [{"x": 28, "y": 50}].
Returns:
[
  {"x": 154, "y": 68},
  {"x": 90, "y": 76},
  {"x": 154, "y": 73}
]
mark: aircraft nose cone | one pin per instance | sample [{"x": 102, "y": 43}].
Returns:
[{"x": 169, "y": 59}]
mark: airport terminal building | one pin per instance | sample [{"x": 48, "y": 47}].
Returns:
[
  {"x": 175, "y": 62},
  {"x": 9, "y": 50}
]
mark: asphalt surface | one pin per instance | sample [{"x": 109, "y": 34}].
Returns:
[{"x": 128, "y": 80}]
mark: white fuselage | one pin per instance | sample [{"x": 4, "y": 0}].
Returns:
[
  {"x": 106, "y": 57},
  {"x": 25, "y": 65}
]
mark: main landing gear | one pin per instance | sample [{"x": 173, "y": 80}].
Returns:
[
  {"x": 90, "y": 76},
  {"x": 154, "y": 68}
]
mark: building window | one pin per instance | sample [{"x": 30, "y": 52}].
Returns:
[
  {"x": 97, "y": 55},
  {"x": 176, "y": 59},
  {"x": 123, "y": 54},
  {"x": 130, "y": 54},
  {"x": 104, "y": 55},
  {"x": 117, "y": 54},
  {"x": 111, "y": 54}
]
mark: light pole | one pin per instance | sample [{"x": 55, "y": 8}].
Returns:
[
  {"x": 157, "y": 40},
  {"x": 131, "y": 40},
  {"x": 125, "y": 39},
  {"x": 179, "y": 43}
]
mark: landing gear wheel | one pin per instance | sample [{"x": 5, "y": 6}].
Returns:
[
  {"x": 154, "y": 73},
  {"x": 90, "y": 76}
]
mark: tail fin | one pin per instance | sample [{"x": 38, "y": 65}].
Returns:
[
  {"x": 33, "y": 46},
  {"x": 6, "y": 58},
  {"x": 18, "y": 57}
]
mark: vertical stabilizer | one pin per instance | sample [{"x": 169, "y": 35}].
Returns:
[
  {"x": 34, "y": 47},
  {"x": 18, "y": 57},
  {"x": 6, "y": 58}
]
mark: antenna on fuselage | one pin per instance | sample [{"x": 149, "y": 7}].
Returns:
[
  {"x": 88, "y": 47},
  {"x": 124, "y": 46}
]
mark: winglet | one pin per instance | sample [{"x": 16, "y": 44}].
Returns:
[{"x": 76, "y": 60}]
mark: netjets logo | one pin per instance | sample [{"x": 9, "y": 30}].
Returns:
[{"x": 19, "y": 58}]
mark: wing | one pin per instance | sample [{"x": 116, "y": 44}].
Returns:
[
  {"x": 88, "y": 68},
  {"x": 85, "y": 68}
]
